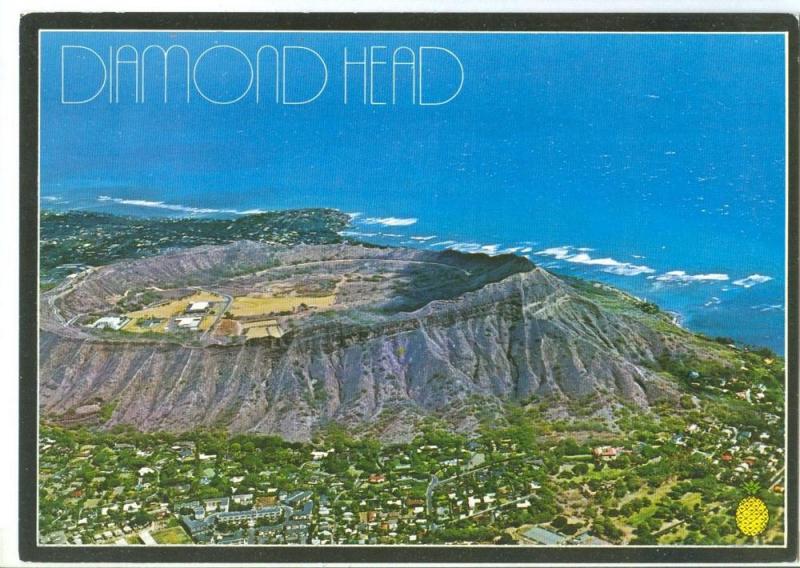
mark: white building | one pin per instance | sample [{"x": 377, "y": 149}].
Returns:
[
  {"x": 195, "y": 307},
  {"x": 191, "y": 322}
]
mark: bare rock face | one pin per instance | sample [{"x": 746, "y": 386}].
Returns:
[{"x": 408, "y": 348}]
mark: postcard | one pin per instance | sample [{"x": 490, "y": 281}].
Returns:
[{"x": 446, "y": 288}]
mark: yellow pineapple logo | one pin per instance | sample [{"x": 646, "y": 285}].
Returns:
[{"x": 752, "y": 515}]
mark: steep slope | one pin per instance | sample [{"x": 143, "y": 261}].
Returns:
[{"x": 501, "y": 331}]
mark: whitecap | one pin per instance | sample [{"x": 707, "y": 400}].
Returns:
[
  {"x": 174, "y": 207},
  {"x": 560, "y": 253},
  {"x": 355, "y": 234},
  {"x": 752, "y": 280},
  {"x": 768, "y": 307},
  {"x": 390, "y": 221},
  {"x": 491, "y": 250},
  {"x": 681, "y": 277},
  {"x": 610, "y": 265}
]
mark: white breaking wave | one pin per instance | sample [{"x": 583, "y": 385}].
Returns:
[
  {"x": 681, "y": 277},
  {"x": 768, "y": 307},
  {"x": 752, "y": 280},
  {"x": 423, "y": 239},
  {"x": 628, "y": 270},
  {"x": 390, "y": 221},
  {"x": 356, "y": 234},
  {"x": 175, "y": 207},
  {"x": 560, "y": 253},
  {"x": 608, "y": 264},
  {"x": 491, "y": 250}
]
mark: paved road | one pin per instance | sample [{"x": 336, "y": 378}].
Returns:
[
  {"x": 220, "y": 314},
  {"x": 429, "y": 493}
]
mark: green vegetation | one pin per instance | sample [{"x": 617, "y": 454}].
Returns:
[
  {"x": 670, "y": 476},
  {"x": 173, "y": 535},
  {"x": 106, "y": 411},
  {"x": 72, "y": 240}
]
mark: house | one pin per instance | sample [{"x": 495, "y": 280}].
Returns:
[
  {"x": 605, "y": 452},
  {"x": 185, "y": 454},
  {"x": 296, "y": 531},
  {"x": 217, "y": 504},
  {"x": 377, "y": 478},
  {"x": 296, "y": 497},
  {"x": 131, "y": 506},
  {"x": 304, "y": 514},
  {"x": 242, "y": 499},
  {"x": 237, "y": 537}
]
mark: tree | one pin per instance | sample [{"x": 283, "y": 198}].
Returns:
[
  {"x": 581, "y": 469},
  {"x": 559, "y": 522}
]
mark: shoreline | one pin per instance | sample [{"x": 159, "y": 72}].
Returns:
[{"x": 565, "y": 260}]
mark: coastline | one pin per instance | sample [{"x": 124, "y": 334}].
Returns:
[{"x": 683, "y": 295}]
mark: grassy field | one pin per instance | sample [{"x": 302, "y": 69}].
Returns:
[
  {"x": 173, "y": 535},
  {"x": 166, "y": 311},
  {"x": 247, "y": 306}
]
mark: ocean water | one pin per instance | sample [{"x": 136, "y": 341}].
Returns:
[{"x": 655, "y": 163}]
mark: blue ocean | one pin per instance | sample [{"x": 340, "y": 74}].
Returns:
[{"x": 652, "y": 162}]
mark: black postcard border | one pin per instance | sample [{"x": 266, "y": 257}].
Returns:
[{"x": 31, "y": 24}]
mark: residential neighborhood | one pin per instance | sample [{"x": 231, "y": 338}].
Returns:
[{"x": 532, "y": 481}]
